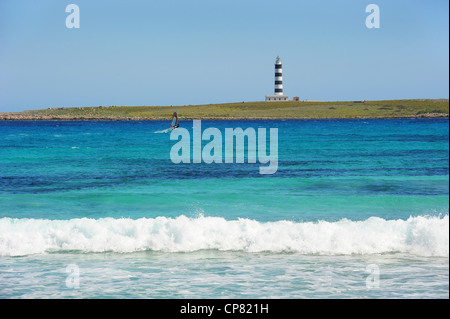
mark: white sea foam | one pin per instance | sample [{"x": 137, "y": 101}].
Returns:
[
  {"x": 424, "y": 236},
  {"x": 163, "y": 131}
]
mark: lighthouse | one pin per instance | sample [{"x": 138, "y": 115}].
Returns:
[{"x": 278, "y": 94}]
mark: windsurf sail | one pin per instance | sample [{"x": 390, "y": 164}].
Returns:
[{"x": 174, "y": 122}]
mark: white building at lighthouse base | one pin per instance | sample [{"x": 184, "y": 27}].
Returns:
[{"x": 277, "y": 97}]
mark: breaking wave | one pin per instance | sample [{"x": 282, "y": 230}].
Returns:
[{"x": 422, "y": 235}]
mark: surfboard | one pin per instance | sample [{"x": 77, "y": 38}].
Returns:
[{"x": 173, "y": 124}]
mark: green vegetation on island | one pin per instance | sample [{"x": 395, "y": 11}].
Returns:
[{"x": 247, "y": 110}]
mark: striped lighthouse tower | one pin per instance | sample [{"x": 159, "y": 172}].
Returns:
[
  {"x": 278, "y": 77},
  {"x": 278, "y": 96}
]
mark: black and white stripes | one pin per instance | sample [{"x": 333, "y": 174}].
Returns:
[
  {"x": 278, "y": 96},
  {"x": 278, "y": 77}
]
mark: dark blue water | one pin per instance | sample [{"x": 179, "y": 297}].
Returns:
[{"x": 327, "y": 169}]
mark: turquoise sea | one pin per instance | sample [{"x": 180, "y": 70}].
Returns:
[{"x": 356, "y": 209}]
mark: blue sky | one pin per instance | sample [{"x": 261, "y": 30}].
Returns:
[{"x": 183, "y": 52}]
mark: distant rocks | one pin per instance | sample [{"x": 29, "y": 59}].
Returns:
[{"x": 53, "y": 117}]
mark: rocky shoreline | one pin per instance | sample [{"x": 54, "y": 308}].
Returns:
[{"x": 41, "y": 117}]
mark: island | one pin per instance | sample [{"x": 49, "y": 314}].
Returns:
[{"x": 414, "y": 108}]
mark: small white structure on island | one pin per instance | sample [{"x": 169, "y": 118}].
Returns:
[{"x": 278, "y": 96}]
